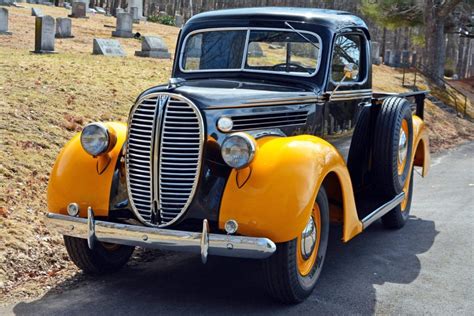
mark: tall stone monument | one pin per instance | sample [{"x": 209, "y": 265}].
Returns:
[
  {"x": 44, "y": 35},
  {"x": 139, "y": 5}
]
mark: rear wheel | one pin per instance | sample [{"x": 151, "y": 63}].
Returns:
[
  {"x": 104, "y": 258},
  {"x": 292, "y": 271}
]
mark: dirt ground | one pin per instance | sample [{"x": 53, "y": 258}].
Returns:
[{"x": 45, "y": 99}]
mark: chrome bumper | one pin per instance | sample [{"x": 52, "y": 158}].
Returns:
[{"x": 156, "y": 238}]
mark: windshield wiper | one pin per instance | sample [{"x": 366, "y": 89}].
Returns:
[{"x": 302, "y": 35}]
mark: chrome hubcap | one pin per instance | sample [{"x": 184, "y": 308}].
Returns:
[
  {"x": 402, "y": 147},
  {"x": 308, "y": 239}
]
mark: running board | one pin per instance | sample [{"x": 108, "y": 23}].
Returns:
[{"x": 381, "y": 211}]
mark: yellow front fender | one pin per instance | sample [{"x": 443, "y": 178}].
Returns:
[
  {"x": 80, "y": 178},
  {"x": 273, "y": 197}
]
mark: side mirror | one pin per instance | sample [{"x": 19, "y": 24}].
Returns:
[{"x": 351, "y": 71}]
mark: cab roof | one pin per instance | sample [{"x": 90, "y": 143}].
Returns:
[{"x": 330, "y": 18}]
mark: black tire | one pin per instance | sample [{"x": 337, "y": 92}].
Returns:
[
  {"x": 393, "y": 112},
  {"x": 397, "y": 217},
  {"x": 103, "y": 259},
  {"x": 282, "y": 277}
]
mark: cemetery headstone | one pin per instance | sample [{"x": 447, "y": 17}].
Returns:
[
  {"x": 4, "y": 22},
  {"x": 100, "y": 10},
  {"x": 119, "y": 10},
  {"x": 124, "y": 26},
  {"x": 255, "y": 50},
  {"x": 178, "y": 20},
  {"x": 6, "y": 2},
  {"x": 386, "y": 57},
  {"x": 67, "y": 5},
  {"x": 375, "y": 53},
  {"x": 36, "y": 12},
  {"x": 405, "y": 58},
  {"x": 107, "y": 47},
  {"x": 395, "y": 58},
  {"x": 139, "y": 5},
  {"x": 414, "y": 59},
  {"x": 134, "y": 13},
  {"x": 63, "y": 28},
  {"x": 78, "y": 10},
  {"x": 44, "y": 35},
  {"x": 154, "y": 47}
]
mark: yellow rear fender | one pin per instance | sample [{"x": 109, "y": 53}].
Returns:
[
  {"x": 80, "y": 178},
  {"x": 421, "y": 145},
  {"x": 273, "y": 197}
]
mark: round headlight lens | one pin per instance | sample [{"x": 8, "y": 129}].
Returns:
[
  {"x": 95, "y": 139},
  {"x": 238, "y": 150}
]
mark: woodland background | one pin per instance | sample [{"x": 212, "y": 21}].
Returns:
[{"x": 440, "y": 31}]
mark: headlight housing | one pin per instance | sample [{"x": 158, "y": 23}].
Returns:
[
  {"x": 95, "y": 139},
  {"x": 238, "y": 150}
]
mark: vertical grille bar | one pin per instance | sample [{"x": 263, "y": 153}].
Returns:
[{"x": 163, "y": 161}]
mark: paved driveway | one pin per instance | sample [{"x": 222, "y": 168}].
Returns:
[{"x": 427, "y": 267}]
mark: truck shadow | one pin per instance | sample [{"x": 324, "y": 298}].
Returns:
[{"x": 180, "y": 284}]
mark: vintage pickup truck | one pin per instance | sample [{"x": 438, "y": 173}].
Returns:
[{"x": 267, "y": 133}]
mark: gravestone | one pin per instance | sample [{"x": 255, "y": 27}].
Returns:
[
  {"x": 59, "y": 3},
  {"x": 255, "y": 50},
  {"x": 63, "y": 28},
  {"x": 67, "y": 5},
  {"x": 44, "y": 35},
  {"x": 395, "y": 58},
  {"x": 139, "y": 5},
  {"x": 375, "y": 53},
  {"x": 100, "y": 10},
  {"x": 6, "y": 2},
  {"x": 134, "y": 13},
  {"x": 107, "y": 47},
  {"x": 405, "y": 58},
  {"x": 154, "y": 47},
  {"x": 178, "y": 20},
  {"x": 414, "y": 59},
  {"x": 36, "y": 12},
  {"x": 119, "y": 10},
  {"x": 78, "y": 10},
  {"x": 124, "y": 26},
  {"x": 4, "y": 22},
  {"x": 386, "y": 57},
  {"x": 162, "y": 13}
]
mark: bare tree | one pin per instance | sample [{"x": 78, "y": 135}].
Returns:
[{"x": 436, "y": 13}]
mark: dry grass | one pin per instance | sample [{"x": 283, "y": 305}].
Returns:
[{"x": 45, "y": 99}]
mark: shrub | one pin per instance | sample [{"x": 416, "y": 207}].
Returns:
[{"x": 162, "y": 19}]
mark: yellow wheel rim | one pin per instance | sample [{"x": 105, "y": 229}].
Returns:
[
  {"x": 402, "y": 147},
  {"x": 306, "y": 263}
]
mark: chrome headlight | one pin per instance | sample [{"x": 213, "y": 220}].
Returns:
[
  {"x": 95, "y": 139},
  {"x": 238, "y": 150}
]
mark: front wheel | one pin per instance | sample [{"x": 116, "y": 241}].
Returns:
[
  {"x": 104, "y": 258},
  {"x": 292, "y": 271}
]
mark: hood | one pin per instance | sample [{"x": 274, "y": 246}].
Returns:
[{"x": 222, "y": 93}]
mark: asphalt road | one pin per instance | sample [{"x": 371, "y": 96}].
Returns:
[{"x": 427, "y": 267}]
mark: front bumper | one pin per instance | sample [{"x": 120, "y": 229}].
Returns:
[{"x": 156, "y": 238}]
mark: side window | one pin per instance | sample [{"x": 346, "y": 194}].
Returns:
[{"x": 347, "y": 49}]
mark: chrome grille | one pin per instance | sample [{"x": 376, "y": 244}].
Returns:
[
  {"x": 165, "y": 141},
  {"x": 269, "y": 120}
]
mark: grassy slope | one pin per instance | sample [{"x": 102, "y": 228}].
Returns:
[{"x": 45, "y": 99}]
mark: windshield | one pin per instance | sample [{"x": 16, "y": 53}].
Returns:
[{"x": 257, "y": 50}]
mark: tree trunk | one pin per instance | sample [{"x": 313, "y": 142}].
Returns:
[
  {"x": 384, "y": 41},
  {"x": 435, "y": 44}
]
